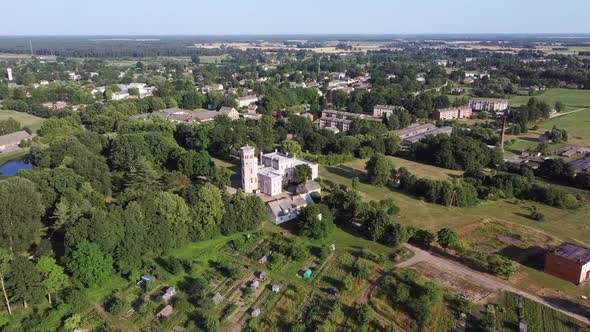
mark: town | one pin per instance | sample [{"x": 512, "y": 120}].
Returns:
[{"x": 295, "y": 183}]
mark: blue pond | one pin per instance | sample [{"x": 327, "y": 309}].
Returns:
[{"x": 11, "y": 167}]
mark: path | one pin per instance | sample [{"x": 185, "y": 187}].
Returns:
[
  {"x": 556, "y": 115},
  {"x": 481, "y": 279}
]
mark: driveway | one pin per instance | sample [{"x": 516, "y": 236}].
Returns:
[{"x": 483, "y": 280}]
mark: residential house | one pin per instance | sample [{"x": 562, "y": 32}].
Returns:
[
  {"x": 387, "y": 110},
  {"x": 488, "y": 105},
  {"x": 119, "y": 95},
  {"x": 286, "y": 208},
  {"x": 246, "y": 100},
  {"x": 452, "y": 113},
  {"x": 231, "y": 112}
]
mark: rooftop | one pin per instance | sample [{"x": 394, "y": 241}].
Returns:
[
  {"x": 14, "y": 137},
  {"x": 572, "y": 252}
]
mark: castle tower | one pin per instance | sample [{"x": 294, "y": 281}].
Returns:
[{"x": 249, "y": 169}]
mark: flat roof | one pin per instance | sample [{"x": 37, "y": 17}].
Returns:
[{"x": 572, "y": 252}]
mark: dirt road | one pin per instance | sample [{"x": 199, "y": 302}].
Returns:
[{"x": 483, "y": 280}]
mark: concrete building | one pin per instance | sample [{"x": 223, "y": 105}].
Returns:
[
  {"x": 569, "y": 262},
  {"x": 414, "y": 130},
  {"x": 246, "y": 100},
  {"x": 119, "y": 95},
  {"x": 9, "y": 73},
  {"x": 452, "y": 113},
  {"x": 285, "y": 165},
  {"x": 11, "y": 142},
  {"x": 337, "y": 119},
  {"x": 387, "y": 110},
  {"x": 408, "y": 142},
  {"x": 488, "y": 105}
]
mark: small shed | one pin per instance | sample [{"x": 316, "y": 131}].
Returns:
[
  {"x": 255, "y": 284},
  {"x": 307, "y": 274},
  {"x": 332, "y": 247},
  {"x": 255, "y": 312},
  {"x": 263, "y": 259},
  {"x": 262, "y": 276},
  {"x": 276, "y": 288},
  {"x": 217, "y": 298},
  {"x": 168, "y": 294},
  {"x": 167, "y": 311}
]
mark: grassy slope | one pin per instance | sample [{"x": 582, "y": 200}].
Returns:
[
  {"x": 25, "y": 119},
  {"x": 573, "y": 99}
]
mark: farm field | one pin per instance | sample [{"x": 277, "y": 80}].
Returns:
[{"x": 26, "y": 120}]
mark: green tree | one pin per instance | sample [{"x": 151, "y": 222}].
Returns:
[
  {"x": 291, "y": 147},
  {"x": 207, "y": 211},
  {"x": 379, "y": 169},
  {"x": 89, "y": 264},
  {"x": 5, "y": 259},
  {"x": 447, "y": 238},
  {"x": 315, "y": 221},
  {"x": 302, "y": 173},
  {"x": 365, "y": 314},
  {"x": 54, "y": 278},
  {"x": 24, "y": 282},
  {"x": 20, "y": 214}
]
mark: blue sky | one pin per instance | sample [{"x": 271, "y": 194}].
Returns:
[{"x": 219, "y": 17}]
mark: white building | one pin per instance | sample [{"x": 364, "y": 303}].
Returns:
[
  {"x": 120, "y": 95},
  {"x": 275, "y": 171},
  {"x": 387, "y": 110},
  {"x": 9, "y": 73}
]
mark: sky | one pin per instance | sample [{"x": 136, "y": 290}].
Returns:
[{"x": 240, "y": 17}]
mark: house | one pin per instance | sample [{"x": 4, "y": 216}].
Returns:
[
  {"x": 308, "y": 187},
  {"x": 452, "y": 113},
  {"x": 167, "y": 311},
  {"x": 569, "y": 262},
  {"x": 212, "y": 87},
  {"x": 488, "y": 105},
  {"x": 387, "y": 110},
  {"x": 231, "y": 112},
  {"x": 582, "y": 164},
  {"x": 11, "y": 142},
  {"x": 246, "y": 100},
  {"x": 217, "y": 298},
  {"x": 441, "y": 62},
  {"x": 255, "y": 312},
  {"x": 275, "y": 171},
  {"x": 262, "y": 276},
  {"x": 56, "y": 105},
  {"x": 255, "y": 284},
  {"x": 285, "y": 208},
  {"x": 170, "y": 292},
  {"x": 119, "y": 95}
]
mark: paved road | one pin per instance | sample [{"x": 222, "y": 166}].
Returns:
[{"x": 483, "y": 280}]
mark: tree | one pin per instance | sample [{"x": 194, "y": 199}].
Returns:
[
  {"x": 364, "y": 314},
  {"x": 207, "y": 212},
  {"x": 302, "y": 173},
  {"x": 379, "y": 169},
  {"x": 291, "y": 147},
  {"x": 5, "y": 259},
  {"x": 559, "y": 106},
  {"x": 24, "y": 282},
  {"x": 20, "y": 214},
  {"x": 315, "y": 221},
  {"x": 447, "y": 238},
  {"x": 54, "y": 278},
  {"x": 89, "y": 264}
]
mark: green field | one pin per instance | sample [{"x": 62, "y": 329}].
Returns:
[
  {"x": 567, "y": 225},
  {"x": 419, "y": 169},
  {"x": 573, "y": 99},
  {"x": 26, "y": 120}
]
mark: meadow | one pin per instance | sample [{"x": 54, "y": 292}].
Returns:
[{"x": 25, "y": 119}]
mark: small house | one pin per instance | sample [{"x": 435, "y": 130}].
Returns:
[
  {"x": 255, "y": 284},
  {"x": 276, "y": 288},
  {"x": 255, "y": 312},
  {"x": 167, "y": 311},
  {"x": 262, "y": 276},
  {"x": 169, "y": 294},
  {"x": 217, "y": 298},
  {"x": 263, "y": 259}
]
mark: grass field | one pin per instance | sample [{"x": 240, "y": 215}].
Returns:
[
  {"x": 26, "y": 120},
  {"x": 419, "y": 169},
  {"x": 573, "y": 99},
  {"x": 568, "y": 225}
]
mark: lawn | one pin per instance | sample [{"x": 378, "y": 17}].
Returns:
[
  {"x": 419, "y": 169},
  {"x": 573, "y": 99},
  {"x": 568, "y": 225},
  {"x": 26, "y": 120},
  {"x": 6, "y": 157}
]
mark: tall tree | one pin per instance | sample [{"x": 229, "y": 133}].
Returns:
[
  {"x": 24, "y": 282},
  {"x": 5, "y": 258},
  {"x": 54, "y": 278},
  {"x": 20, "y": 214},
  {"x": 89, "y": 264},
  {"x": 379, "y": 169}
]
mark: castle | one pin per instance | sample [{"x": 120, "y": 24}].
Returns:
[{"x": 275, "y": 171}]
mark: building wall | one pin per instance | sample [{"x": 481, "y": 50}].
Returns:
[
  {"x": 584, "y": 273},
  {"x": 249, "y": 169},
  {"x": 563, "y": 268},
  {"x": 270, "y": 185}
]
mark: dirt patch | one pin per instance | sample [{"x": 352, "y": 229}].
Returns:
[
  {"x": 486, "y": 249},
  {"x": 510, "y": 239},
  {"x": 453, "y": 282}
]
